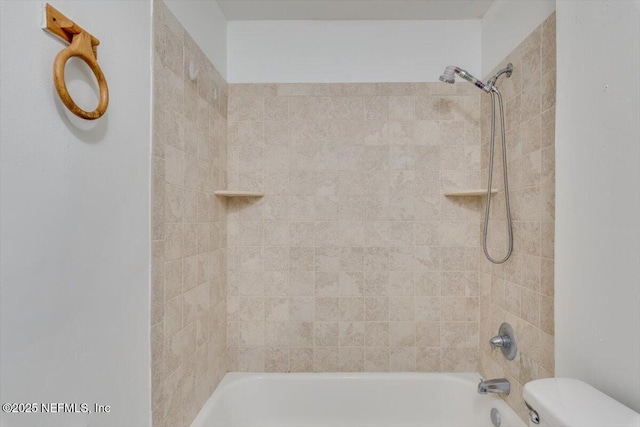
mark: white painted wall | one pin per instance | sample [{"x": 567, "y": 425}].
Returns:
[
  {"x": 506, "y": 24},
  {"x": 74, "y": 209},
  {"x": 598, "y": 196},
  {"x": 206, "y": 23},
  {"x": 349, "y": 51}
]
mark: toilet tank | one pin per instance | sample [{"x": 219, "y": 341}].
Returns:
[{"x": 566, "y": 402}]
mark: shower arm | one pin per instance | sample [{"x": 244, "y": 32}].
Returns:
[{"x": 492, "y": 81}]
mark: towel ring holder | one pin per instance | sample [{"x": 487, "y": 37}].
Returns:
[
  {"x": 83, "y": 46},
  {"x": 80, "y": 47}
]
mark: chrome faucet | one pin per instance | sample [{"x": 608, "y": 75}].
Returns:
[{"x": 497, "y": 386}]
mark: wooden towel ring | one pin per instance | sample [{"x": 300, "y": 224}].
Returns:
[{"x": 82, "y": 48}]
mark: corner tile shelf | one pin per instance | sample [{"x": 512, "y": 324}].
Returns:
[
  {"x": 468, "y": 193},
  {"x": 233, "y": 193}
]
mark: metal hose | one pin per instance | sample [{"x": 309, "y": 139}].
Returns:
[{"x": 495, "y": 92}]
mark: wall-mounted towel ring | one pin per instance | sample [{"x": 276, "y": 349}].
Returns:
[{"x": 82, "y": 45}]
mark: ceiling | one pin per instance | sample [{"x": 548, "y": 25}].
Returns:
[{"x": 236, "y": 10}]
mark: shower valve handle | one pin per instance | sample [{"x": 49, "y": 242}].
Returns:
[
  {"x": 500, "y": 341},
  {"x": 506, "y": 340}
]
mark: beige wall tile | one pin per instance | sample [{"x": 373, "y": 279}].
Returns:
[
  {"x": 251, "y": 359},
  {"x": 351, "y": 359},
  {"x": 326, "y": 359},
  {"x": 376, "y": 359},
  {"x": 277, "y": 359},
  {"x": 402, "y": 359},
  {"x": 326, "y": 334},
  {"x": 352, "y": 333},
  {"x": 302, "y": 359}
]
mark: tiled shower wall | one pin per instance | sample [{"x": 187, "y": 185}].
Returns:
[
  {"x": 354, "y": 260},
  {"x": 188, "y": 307},
  {"x": 521, "y": 290}
]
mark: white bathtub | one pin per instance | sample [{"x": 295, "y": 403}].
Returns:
[{"x": 367, "y": 399}]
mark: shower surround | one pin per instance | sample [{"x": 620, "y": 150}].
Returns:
[
  {"x": 353, "y": 260},
  {"x": 188, "y": 302}
]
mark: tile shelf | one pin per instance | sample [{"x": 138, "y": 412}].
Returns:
[
  {"x": 234, "y": 193},
  {"x": 468, "y": 193}
]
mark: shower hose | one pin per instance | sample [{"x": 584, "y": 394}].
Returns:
[{"x": 495, "y": 93}]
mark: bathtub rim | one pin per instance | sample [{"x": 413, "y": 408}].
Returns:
[{"x": 236, "y": 379}]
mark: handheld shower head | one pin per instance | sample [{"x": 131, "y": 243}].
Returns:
[{"x": 449, "y": 75}]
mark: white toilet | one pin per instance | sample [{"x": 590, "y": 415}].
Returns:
[{"x": 566, "y": 402}]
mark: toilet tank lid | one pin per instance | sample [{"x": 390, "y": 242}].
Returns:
[{"x": 567, "y": 402}]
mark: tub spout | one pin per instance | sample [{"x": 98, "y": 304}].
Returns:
[{"x": 497, "y": 386}]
